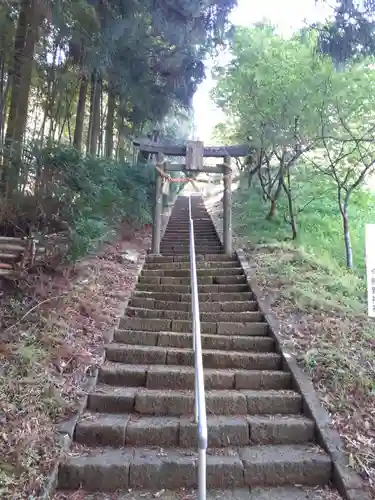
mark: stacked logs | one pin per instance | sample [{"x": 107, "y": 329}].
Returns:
[{"x": 18, "y": 254}]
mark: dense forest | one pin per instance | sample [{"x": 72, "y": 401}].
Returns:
[{"x": 78, "y": 80}]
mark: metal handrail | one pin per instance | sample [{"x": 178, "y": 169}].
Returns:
[{"x": 200, "y": 398}]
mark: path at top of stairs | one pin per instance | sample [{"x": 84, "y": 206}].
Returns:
[{"x": 138, "y": 430}]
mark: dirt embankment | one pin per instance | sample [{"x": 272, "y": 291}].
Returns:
[{"x": 52, "y": 333}]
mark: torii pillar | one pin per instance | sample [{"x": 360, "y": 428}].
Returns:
[
  {"x": 227, "y": 207},
  {"x": 158, "y": 206}
]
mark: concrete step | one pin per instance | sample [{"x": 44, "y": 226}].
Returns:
[
  {"x": 138, "y": 437},
  {"x": 183, "y": 326},
  {"x": 212, "y": 358},
  {"x": 186, "y": 258},
  {"x": 219, "y": 297},
  {"x": 182, "y": 252},
  {"x": 283, "y": 493},
  {"x": 144, "y": 287},
  {"x": 202, "y": 247},
  {"x": 110, "y": 469},
  {"x": 186, "y": 265},
  {"x": 203, "y": 234},
  {"x": 202, "y": 280},
  {"x": 182, "y": 273},
  {"x": 211, "y": 288},
  {"x": 234, "y": 317},
  {"x": 182, "y": 377},
  {"x": 185, "y": 340},
  {"x": 227, "y": 306},
  {"x": 114, "y": 399},
  {"x": 132, "y": 430},
  {"x": 201, "y": 240}
]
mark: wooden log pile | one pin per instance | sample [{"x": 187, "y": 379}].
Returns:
[{"x": 20, "y": 254}]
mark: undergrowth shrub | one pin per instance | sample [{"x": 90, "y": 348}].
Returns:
[{"x": 84, "y": 196}]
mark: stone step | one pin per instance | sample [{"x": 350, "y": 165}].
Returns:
[
  {"x": 186, "y": 258},
  {"x": 199, "y": 240},
  {"x": 234, "y": 317},
  {"x": 283, "y": 493},
  {"x": 131, "y": 430},
  {"x": 166, "y": 266},
  {"x": 212, "y": 358},
  {"x": 185, "y": 340},
  {"x": 166, "y": 251},
  {"x": 206, "y": 247},
  {"x": 182, "y": 377},
  {"x": 183, "y": 225},
  {"x": 227, "y": 306},
  {"x": 203, "y": 234},
  {"x": 144, "y": 287},
  {"x": 219, "y": 297},
  {"x": 113, "y": 399},
  {"x": 127, "y": 468},
  {"x": 182, "y": 273},
  {"x": 199, "y": 230},
  {"x": 202, "y": 280},
  {"x": 183, "y": 326},
  {"x": 202, "y": 241},
  {"x": 137, "y": 438}
]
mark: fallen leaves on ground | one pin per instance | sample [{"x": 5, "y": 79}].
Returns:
[{"x": 52, "y": 334}]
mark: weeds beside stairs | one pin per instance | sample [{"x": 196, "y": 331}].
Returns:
[{"x": 138, "y": 431}]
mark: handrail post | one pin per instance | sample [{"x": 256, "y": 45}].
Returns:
[{"x": 200, "y": 398}]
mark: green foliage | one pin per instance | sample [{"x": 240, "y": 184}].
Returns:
[
  {"x": 350, "y": 34},
  {"x": 273, "y": 87},
  {"x": 319, "y": 249},
  {"x": 289, "y": 101},
  {"x": 95, "y": 195}
]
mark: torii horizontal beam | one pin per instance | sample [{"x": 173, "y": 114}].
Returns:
[{"x": 208, "y": 152}]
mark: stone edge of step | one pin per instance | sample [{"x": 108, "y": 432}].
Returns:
[
  {"x": 278, "y": 493},
  {"x": 237, "y": 465},
  {"x": 65, "y": 429},
  {"x": 347, "y": 481}
]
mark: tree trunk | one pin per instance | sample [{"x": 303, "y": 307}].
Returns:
[
  {"x": 110, "y": 124},
  {"x": 95, "y": 116},
  {"x": 27, "y": 34},
  {"x": 80, "y": 115},
  {"x": 91, "y": 144},
  {"x": 345, "y": 224},
  {"x": 4, "y": 91},
  {"x": 102, "y": 120},
  {"x": 272, "y": 211},
  {"x": 292, "y": 217},
  {"x": 275, "y": 196},
  {"x": 121, "y": 140}
]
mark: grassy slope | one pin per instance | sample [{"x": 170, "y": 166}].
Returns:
[{"x": 321, "y": 305}]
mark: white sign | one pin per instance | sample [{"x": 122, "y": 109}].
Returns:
[{"x": 370, "y": 267}]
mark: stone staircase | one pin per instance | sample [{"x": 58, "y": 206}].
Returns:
[{"x": 138, "y": 432}]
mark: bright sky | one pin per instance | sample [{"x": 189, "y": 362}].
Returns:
[{"x": 287, "y": 15}]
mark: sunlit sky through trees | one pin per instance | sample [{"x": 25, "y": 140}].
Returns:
[{"x": 288, "y": 16}]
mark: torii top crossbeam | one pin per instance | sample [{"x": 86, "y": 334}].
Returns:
[{"x": 176, "y": 150}]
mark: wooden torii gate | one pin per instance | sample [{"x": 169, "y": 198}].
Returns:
[{"x": 194, "y": 152}]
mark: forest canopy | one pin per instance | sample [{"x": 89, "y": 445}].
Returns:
[
  {"x": 81, "y": 78},
  {"x": 295, "y": 107}
]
